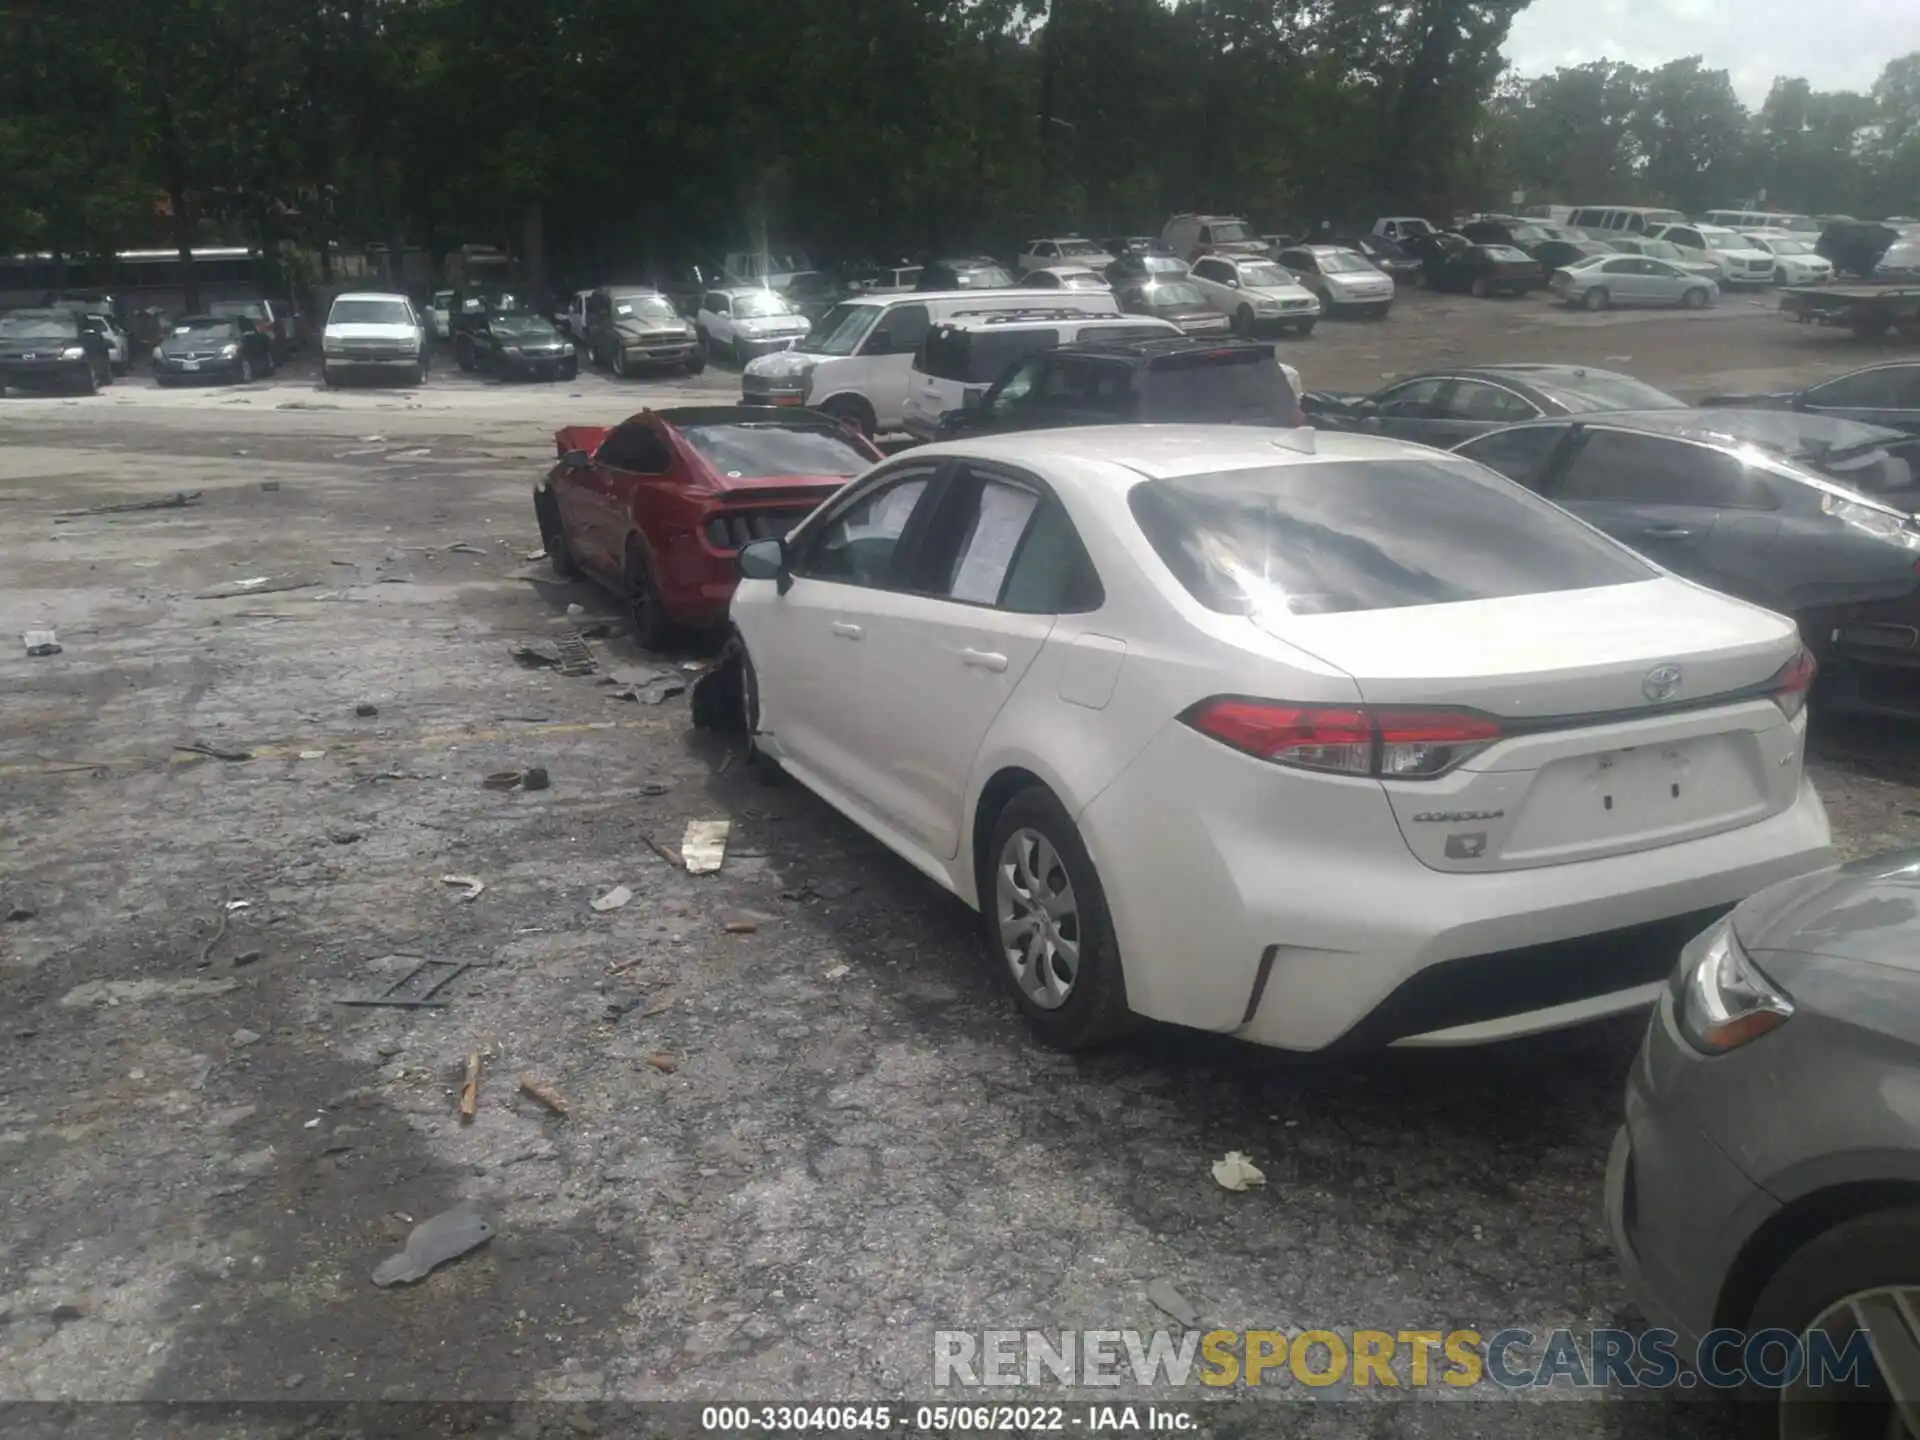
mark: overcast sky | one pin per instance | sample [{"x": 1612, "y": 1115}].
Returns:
[{"x": 1835, "y": 44}]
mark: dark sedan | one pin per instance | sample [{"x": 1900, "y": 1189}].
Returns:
[
  {"x": 1878, "y": 395},
  {"x": 1178, "y": 301},
  {"x": 212, "y": 347},
  {"x": 967, "y": 272},
  {"x": 1385, "y": 255},
  {"x": 1506, "y": 230},
  {"x": 1766, "y": 1181},
  {"x": 1482, "y": 270},
  {"x": 1803, "y": 514},
  {"x": 53, "y": 349},
  {"x": 515, "y": 344},
  {"x": 1559, "y": 254},
  {"x": 1444, "y": 407}
]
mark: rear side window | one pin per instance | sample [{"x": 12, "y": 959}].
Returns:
[
  {"x": 1519, "y": 454},
  {"x": 1234, "y": 386},
  {"x": 1326, "y": 537},
  {"x": 979, "y": 357},
  {"x": 1654, "y": 470}
]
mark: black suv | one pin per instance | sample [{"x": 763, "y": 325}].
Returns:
[
  {"x": 1120, "y": 382},
  {"x": 505, "y": 335},
  {"x": 965, "y": 272}
]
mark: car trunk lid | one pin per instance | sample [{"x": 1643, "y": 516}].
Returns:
[{"x": 1630, "y": 716}]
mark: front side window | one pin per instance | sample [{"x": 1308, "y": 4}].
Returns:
[
  {"x": 1520, "y": 454},
  {"x": 1618, "y": 465},
  {"x": 978, "y": 357},
  {"x": 1887, "y": 387},
  {"x": 636, "y": 448},
  {"x": 1474, "y": 400},
  {"x": 1217, "y": 271},
  {"x": 856, "y": 547},
  {"x": 1014, "y": 391},
  {"x": 903, "y": 330},
  {"x": 1413, "y": 399},
  {"x": 1291, "y": 540},
  {"x": 841, "y": 329}
]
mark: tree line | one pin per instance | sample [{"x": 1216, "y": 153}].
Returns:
[{"x": 592, "y": 136}]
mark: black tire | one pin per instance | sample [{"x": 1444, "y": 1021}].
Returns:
[
  {"x": 1695, "y": 299},
  {"x": 553, "y": 534},
  {"x": 762, "y": 766},
  {"x": 1597, "y": 298},
  {"x": 89, "y": 380},
  {"x": 1095, "y": 1010},
  {"x": 620, "y": 361},
  {"x": 570, "y": 369},
  {"x": 696, "y": 362},
  {"x": 1305, "y": 328},
  {"x": 246, "y": 371},
  {"x": 853, "y": 409},
  {"x": 165, "y": 382},
  {"x": 463, "y": 355},
  {"x": 1869, "y": 1252},
  {"x": 1779, "y": 275},
  {"x": 420, "y": 370},
  {"x": 646, "y": 610},
  {"x": 1243, "y": 321},
  {"x": 1480, "y": 288}
]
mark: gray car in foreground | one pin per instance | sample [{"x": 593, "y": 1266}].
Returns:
[{"x": 1768, "y": 1174}]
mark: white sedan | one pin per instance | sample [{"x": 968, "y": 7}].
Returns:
[{"x": 1303, "y": 738}]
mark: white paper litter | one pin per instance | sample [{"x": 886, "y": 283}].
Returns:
[
  {"x": 1237, "y": 1172},
  {"x": 834, "y": 972},
  {"x": 704, "y": 846},
  {"x": 473, "y": 883},
  {"x": 613, "y": 899}
]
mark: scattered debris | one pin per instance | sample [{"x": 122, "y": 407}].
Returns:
[
  {"x": 179, "y": 500},
  {"x": 246, "y": 957},
  {"x": 613, "y": 899},
  {"x": 502, "y": 780},
  {"x": 598, "y": 630},
  {"x": 576, "y": 658},
  {"x": 346, "y": 837},
  {"x": 659, "y": 1007},
  {"x": 475, "y": 885},
  {"x": 219, "y": 930},
  {"x": 372, "y": 439},
  {"x": 534, "y": 555},
  {"x": 726, "y": 764},
  {"x": 741, "y": 926},
  {"x": 655, "y": 691},
  {"x": 835, "y": 971},
  {"x": 664, "y": 1063},
  {"x": 244, "y": 1037},
  {"x": 366, "y": 711},
  {"x": 313, "y": 1124},
  {"x": 18, "y": 914},
  {"x": 135, "y": 992},
  {"x": 266, "y": 484},
  {"x": 258, "y": 585},
  {"x": 1162, "y": 1295},
  {"x": 662, "y": 851},
  {"x": 313, "y": 754},
  {"x": 1237, "y": 1172},
  {"x": 536, "y": 657},
  {"x": 419, "y": 987},
  {"x": 447, "y": 1236},
  {"x": 41, "y": 642},
  {"x": 462, "y": 548},
  {"x": 574, "y": 608},
  {"x": 214, "y": 753},
  {"x": 704, "y": 846},
  {"x": 545, "y": 1094},
  {"x": 470, "y": 1092},
  {"x": 239, "y": 904},
  {"x": 536, "y": 778},
  {"x": 656, "y": 787}
]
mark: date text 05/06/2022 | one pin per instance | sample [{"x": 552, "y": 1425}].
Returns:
[{"x": 982, "y": 1419}]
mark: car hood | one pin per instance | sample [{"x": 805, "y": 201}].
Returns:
[
  {"x": 365, "y": 331},
  {"x": 654, "y": 327},
  {"x": 1277, "y": 292},
  {"x": 780, "y": 323},
  {"x": 12, "y": 346},
  {"x": 1868, "y": 911},
  {"x": 1779, "y": 400},
  {"x": 174, "y": 344},
  {"x": 784, "y": 364}
]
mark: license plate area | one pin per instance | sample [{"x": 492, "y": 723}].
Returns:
[{"x": 189, "y": 364}]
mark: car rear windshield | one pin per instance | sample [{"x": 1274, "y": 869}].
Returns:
[
  {"x": 39, "y": 325},
  {"x": 1240, "y": 385},
  {"x": 1323, "y": 537},
  {"x": 977, "y": 357},
  {"x": 372, "y": 312},
  {"x": 755, "y": 450}
]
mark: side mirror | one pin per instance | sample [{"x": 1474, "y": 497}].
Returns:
[
  {"x": 765, "y": 560},
  {"x": 576, "y": 460},
  {"x": 1365, "y": 409}
]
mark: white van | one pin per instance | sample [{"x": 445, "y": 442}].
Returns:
[
  {"x": 1762, "y": 220},
  {"x": 1635, "y": 219},
  {"x": 965, "y": 355},
  {"x": 858, "y": 359}
]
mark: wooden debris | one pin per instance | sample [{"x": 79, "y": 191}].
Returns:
[
  {"x": 664, "y": 1063},
  {"x": 545, "y": 1094},
  {"x": 470, "y": 1092}
]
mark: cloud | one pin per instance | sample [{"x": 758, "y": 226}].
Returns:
[{"x": 1834, "y": 46}]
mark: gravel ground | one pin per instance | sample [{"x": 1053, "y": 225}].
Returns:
[{"x": 796, "y": 1144}]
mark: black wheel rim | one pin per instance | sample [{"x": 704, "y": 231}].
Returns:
[{"x": 640, "y": 607}]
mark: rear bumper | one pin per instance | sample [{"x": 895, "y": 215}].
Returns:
[{"x": 1292, "y": 913}]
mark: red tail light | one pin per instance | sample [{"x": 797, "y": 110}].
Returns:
[
  {"x": 1388, "y": 742},
  {"x": 1791, "y": 686}
]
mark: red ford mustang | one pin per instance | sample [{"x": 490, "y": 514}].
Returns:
[{"x": 656, "y": 507}]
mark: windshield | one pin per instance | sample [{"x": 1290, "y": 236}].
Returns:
[
  {"x": 1293, "y": 540},
  {"x": 252, "y": 309},
  {"x": 1724, "y": 242},
  {"x": 1578, "y": 392},
  {"x": 1162, "y": 265},
  {"x": 644, "y": 307},
  {"x": 1266, "y": 274},
  {"x": 28, "y": 325},
  {"x": 524, "y": 327},
  {"x": 1241, "y": 386},
  {"x": 1505, "y": 253},
  {"x": 1230, "y": 232},
  {"x": 760, "y": 304},
  {"x": 757, "y": 450},
  {"x": 1071, "y": 248},
  {"x": 1173, "y": 292},
  {"x": 1529, "y": 234},
  {"x": 982, "y": 277},
  {"x": 1341, "y": 262},
  {"x": 1082, "y": 280},
  {"x": 1788, "y": 247},
  {"x": 370, "y": 312},
  {"x": 203, "y": 325},
  {"x": 841, "y": 330},
  {"x": 442, "y": 299}
]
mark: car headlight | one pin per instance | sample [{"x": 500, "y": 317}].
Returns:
[
  {"x": 159, "y": 357},
  {"x": 332, "y": 346},
  {"x": 1724, "y": 1001},
  {"x": 74, "y": 352},
  {"x": 227, "y": 352}
]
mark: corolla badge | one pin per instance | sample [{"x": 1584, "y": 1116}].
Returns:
[{"x": 1662, "y": 683}]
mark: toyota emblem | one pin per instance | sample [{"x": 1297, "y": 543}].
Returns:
[{"x": 1662, "y": 683}]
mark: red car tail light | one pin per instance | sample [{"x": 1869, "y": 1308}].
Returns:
[
  {"x": 1794, "y": 682},
  {"x": 1388, "y": 742}
]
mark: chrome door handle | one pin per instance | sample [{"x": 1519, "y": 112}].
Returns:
[
  {"x": 846, "y": 631},
  {"x": 983, "y": 660}
]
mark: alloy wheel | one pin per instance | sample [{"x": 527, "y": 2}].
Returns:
[
  {"x": 1039, "y": 918},
  {"x": 1890, "y": 1319}
]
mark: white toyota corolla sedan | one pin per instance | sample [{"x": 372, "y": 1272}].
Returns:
[{"x": 1304, "y": 738}]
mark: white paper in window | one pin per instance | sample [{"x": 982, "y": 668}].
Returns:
[{"x": 982, "y": 570}]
